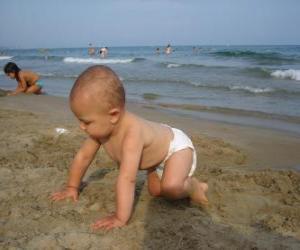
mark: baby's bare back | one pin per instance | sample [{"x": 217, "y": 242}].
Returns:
[
  {"x": 30, "y": 77},
  {"x": 155, "y": 138}
]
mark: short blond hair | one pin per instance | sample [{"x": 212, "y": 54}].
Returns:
[{"x": 101, "y": 82}]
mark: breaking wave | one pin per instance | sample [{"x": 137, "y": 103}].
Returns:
[
  {"x": 287, "y": 74},
  {"x": 98, "y": 60},
  {"x": 6, "y": 57}
]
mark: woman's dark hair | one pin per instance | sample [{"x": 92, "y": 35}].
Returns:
[{"x": 12, "y": 68}]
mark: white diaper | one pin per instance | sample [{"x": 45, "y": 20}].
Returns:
[{"x": 180, "y": 141}]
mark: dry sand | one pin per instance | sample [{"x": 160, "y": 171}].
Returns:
[{"x": 254, "y": 192}]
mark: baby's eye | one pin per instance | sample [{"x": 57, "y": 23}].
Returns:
[{"x": 85, "y": 122}]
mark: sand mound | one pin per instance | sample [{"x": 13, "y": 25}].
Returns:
[
  {"x": 249, "y": 209},
  {"x": 3, "y": 92}
]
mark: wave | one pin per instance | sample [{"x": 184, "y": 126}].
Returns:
[
  {"x": 264, "y": 57},
  {"x": 97, "y": 60},
  {"x": 287, "y": 74},
  {"x": 151, "y": 96},
  {"x": 155, "y": 80},
  {"x": 257, "y": 72},
  {"x": 6, "y": 57},
  {"x": 39, "y": 57},
  {"x": 184, "y": 65},
  {"x": 139, "y": 59},
  {"x": 231, "y": 111},
  {"x": 246, "y": 89},
  {"x": 252, "y": 89},
  {"x": 173, "y": 65},
  {"x": 58, "y": 76}
]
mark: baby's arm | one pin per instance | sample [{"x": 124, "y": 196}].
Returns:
[
  {"x": 22, "y": 86},
  {"x": 131, "y": 155},
  {"x": 78, "y": 168}
]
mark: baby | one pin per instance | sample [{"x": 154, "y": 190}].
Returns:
[
  {"x": 28, "y": 81},
  {"x": 98, "y": 101}
]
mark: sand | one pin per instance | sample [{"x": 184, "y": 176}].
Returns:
[{"x": 254, "y": 186}]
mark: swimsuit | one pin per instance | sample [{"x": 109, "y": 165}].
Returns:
[
  {"x": 39, "y": 84},
  {"x": 179, "y": 142}
]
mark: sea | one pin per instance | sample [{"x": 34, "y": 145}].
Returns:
[{"x": 254, "y": 85}]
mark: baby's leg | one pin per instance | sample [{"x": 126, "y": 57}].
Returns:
[
  {"x": 153, "y": 183},
  {"x": 34, "y": 89},
  {"x": 176, "y": 183}
]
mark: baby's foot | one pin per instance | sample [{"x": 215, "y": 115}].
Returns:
[{"x": 198, "y": 194}]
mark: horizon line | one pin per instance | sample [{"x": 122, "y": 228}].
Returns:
[{"x": 124, "y": 46}]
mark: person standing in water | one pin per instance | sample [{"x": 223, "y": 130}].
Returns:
[
  {"x": 168, "y": 49},
  {"x": 103, "y": 52},
  {"x": 91, "y": 50}
]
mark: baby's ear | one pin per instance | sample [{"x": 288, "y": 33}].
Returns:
[{"x": 114, "y": 115}]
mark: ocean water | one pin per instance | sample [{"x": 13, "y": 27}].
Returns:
[{"x": 248, "y": 80}]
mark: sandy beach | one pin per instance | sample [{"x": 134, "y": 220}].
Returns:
[{"x": 253, "y": 176}]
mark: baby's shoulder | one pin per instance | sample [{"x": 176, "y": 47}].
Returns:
[{"x": 25, "y": 73}]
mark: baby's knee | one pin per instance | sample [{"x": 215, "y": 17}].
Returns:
[
  {"x": 171, "y": 189},
  {"x": 154, "y": 193},
  {"x": 154, "y": 190}
]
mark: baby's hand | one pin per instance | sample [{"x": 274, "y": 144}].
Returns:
[
  {"x": 68, "y": 192},
  {"x": 108, "y": 223}
]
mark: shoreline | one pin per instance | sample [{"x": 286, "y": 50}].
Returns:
[
  {"x": 261, "y": 143},
  {"x": 254, "y": 188},
  {"x": 256, "y": 119}
]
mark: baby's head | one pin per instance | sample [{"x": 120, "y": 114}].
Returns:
[
  {"x": 12, "y": 70},
  {"x": 98, "y": 100}
]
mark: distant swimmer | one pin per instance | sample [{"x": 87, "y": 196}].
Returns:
[
  {"x": 28, "y": 81},
  {"x": 157, "y": 51},
  {"x": 103, "y": 52},
  {"x": 168, "y": 49},
  {"x": 91, "y": 50}
]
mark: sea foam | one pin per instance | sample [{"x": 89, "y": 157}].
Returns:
[
  {"x": 252, "y": 89},
  {"x": 95, "y": 60},
  {"x": 173, "y": 65},
  {"x": 5, "y": 57},
  {"x": 288, "y": 74}
]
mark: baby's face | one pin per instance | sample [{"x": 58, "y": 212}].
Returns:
[
  {"x": 96, "y": 123},
  {"x": 11, "y": 75}
]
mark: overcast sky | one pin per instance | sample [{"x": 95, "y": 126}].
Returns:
[{"x": 75, "y": 23}]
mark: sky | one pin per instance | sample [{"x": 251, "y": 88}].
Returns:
[{"x": 76, "y": 23}]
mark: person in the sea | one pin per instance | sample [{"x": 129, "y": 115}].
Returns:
[
  {"x": 103, "y": 52},
  {"x": 157, "y": 51},
  {"x": 167, "y": 154},
  {"x": 28, "y": 81},
  {"x": 91, "y": 50},
  {"x": 168, "y": 49}
]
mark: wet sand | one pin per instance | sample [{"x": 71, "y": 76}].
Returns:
[{"x": 254, "y": 186}]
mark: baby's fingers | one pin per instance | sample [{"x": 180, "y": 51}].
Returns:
[
  {"x": 58, "y": 196},
  {"x": 101, "y": 224},
  {"x": 75, "y": 198}
]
